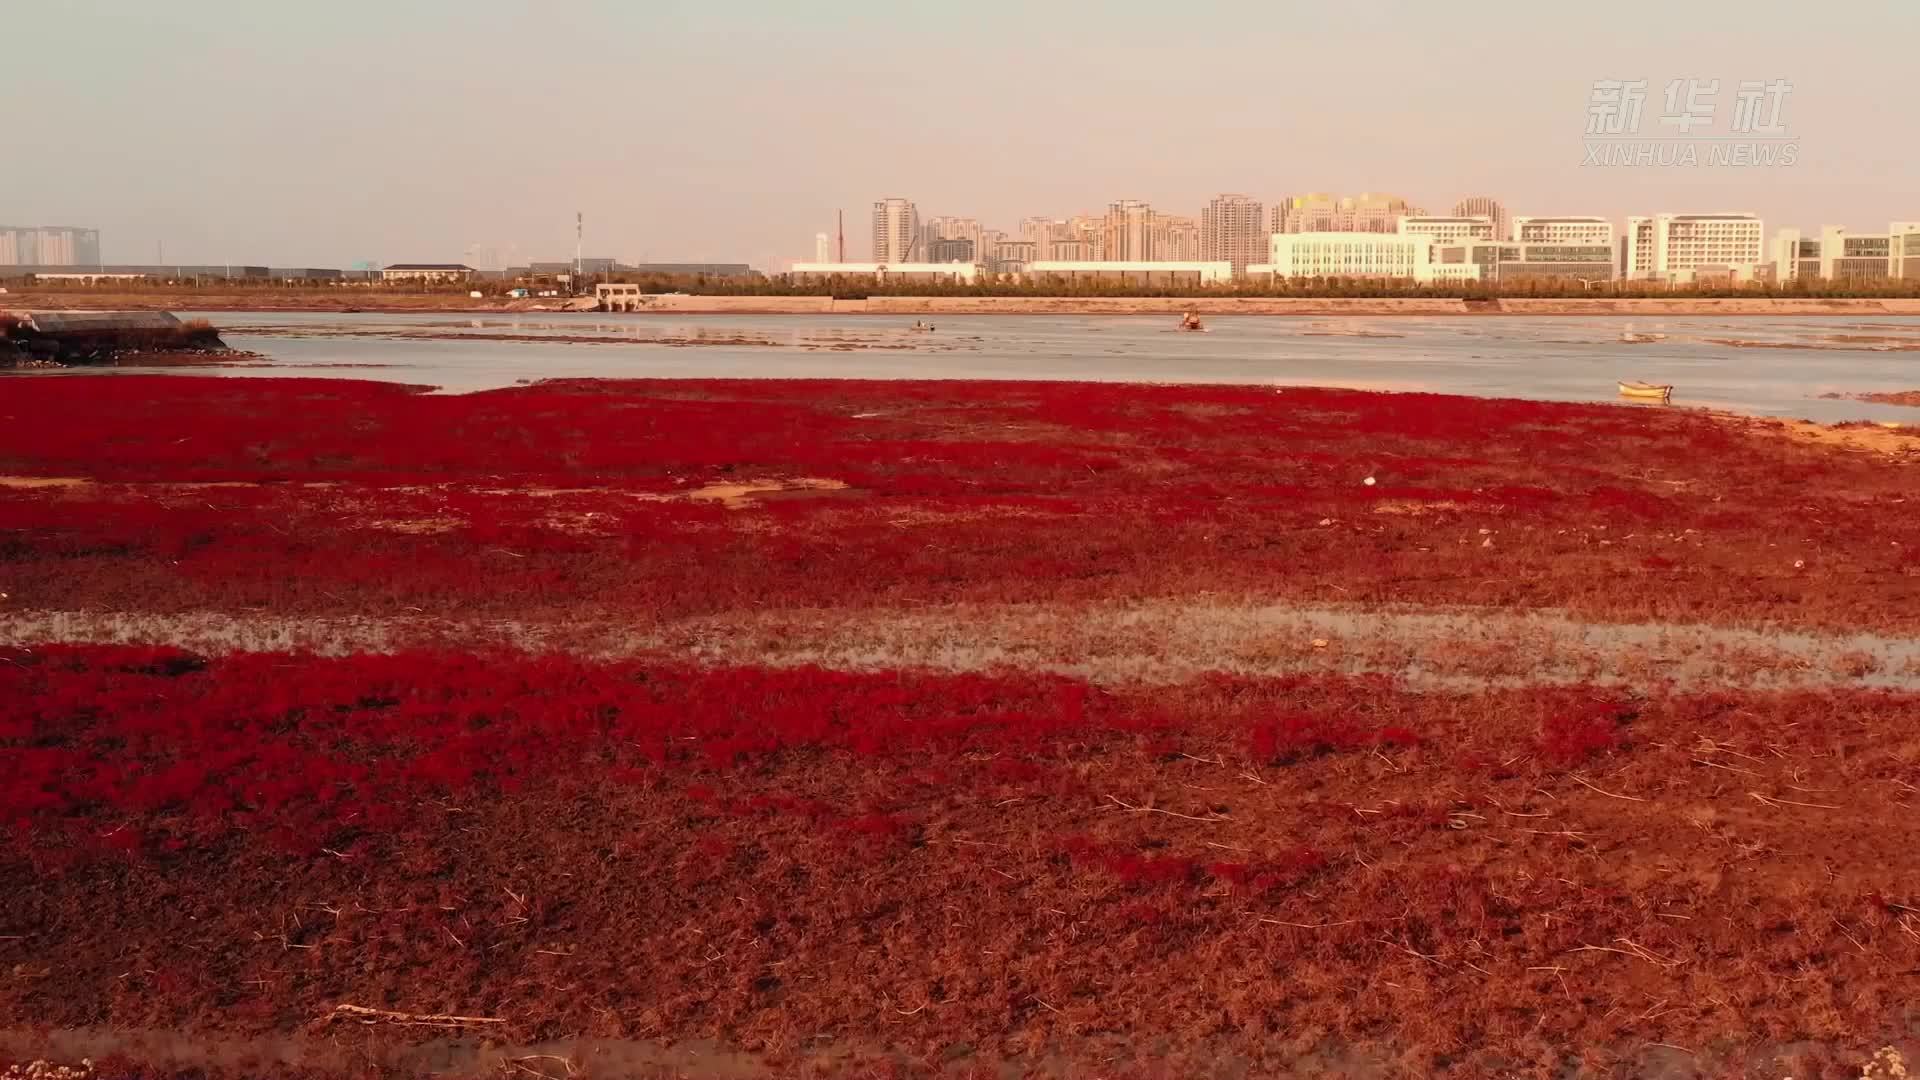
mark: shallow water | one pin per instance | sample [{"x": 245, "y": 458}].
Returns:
[{"x": 1560, "y": 358}]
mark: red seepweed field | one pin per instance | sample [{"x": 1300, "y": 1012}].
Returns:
[{"x": 759, "y": 728}]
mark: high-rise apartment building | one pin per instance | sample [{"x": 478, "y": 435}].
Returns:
[
  {"x": 950, "y": 228},
  {"x": 1041, "y": 232},
  {"x": 49, "y": 245},
  {"x": 1173, "y": 238},
  {"x": 1012, "y": 256},
  {"x": 1379, "y": 213},
  {"x": 1321, "y": 212},
  {"x": 1129, "y": 231},
  {"x": 896, "y": 231},
  {"x": 956, "y": 249},
  {"x": 1085, "y": 239},
  {"x": 1488, "y": 207},
  {"x": 1682, "y": 247},
  {"x": 1313, "y": 212},
  {"x": 823, "y": 248},
  {"x": 986, "y": 250},
  {"x": 1233, "y": 230}
]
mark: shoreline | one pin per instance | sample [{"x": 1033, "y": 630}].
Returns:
[{"x": 982, "y": 305}]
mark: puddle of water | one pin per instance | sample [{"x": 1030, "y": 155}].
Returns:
[{"x": 1560, "y": 358}]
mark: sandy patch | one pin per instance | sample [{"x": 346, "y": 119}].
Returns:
[
  {"x": 1160, "y": 643},
  {"x": 1898, "y": 397},
  {"x": 738, "y": 496},
  {"x": 30, "y": 482},
  {"x": 1414, "y": 508},
  {"x": 416, "y": 526},
  {"x": 1890, "y": 440}
]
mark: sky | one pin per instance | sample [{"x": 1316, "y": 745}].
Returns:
[{"x": 209, "y": 131}]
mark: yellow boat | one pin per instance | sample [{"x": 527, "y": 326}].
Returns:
[{"x": 1635, "y": 389}]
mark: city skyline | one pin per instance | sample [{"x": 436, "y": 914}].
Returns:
[{"x": 451, "y": 132}]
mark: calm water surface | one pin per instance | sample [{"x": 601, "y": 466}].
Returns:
[{"x": 1760, "y": 365}]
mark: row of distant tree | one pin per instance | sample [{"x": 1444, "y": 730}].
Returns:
[{"x": 857, "y": 288}]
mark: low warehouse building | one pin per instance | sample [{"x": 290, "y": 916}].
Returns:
[
  {"x": 428, "y": 272},
  {"x": 1149, "y": 274},
  {"x": 963, "y": 273}
]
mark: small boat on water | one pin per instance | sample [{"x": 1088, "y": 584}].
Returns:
[{"x": 1654, "y": 391}]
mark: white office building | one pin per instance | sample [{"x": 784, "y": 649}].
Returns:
[
  {"x": 1903, "y": 241},
  {"x": 1563, "y": 230},
  {"x": 1854, "y": 256},
  {"x": 1840, "y": 255},
  {"x": 1347, "y": 254},
  {"x": 1448, "y": 230},
  {"x": 1508, "y": 262},
  {"x": 1683, "y": 248}
]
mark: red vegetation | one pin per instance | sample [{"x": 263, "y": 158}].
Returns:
[
  {"x": 362, "y": 499},
  {"x": 960, "y": 870},
  {"x": 236, "y": 844}
]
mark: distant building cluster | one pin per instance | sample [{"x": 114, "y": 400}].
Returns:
[
  {"x": 49, "y": 245},
  {"x": 416, "y": 273},
  {"x": 1237, "y": 237}
]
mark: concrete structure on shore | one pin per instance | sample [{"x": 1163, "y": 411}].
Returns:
[
  {"x": 958, "y": 273},
  {"x": 1448, "y": 230},
  {"x": 1146, "y": 273},
  {"x": 1685, "y": 248},
  {"x": 618, "y": 296}
]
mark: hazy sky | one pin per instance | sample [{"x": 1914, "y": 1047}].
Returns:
[{"x": 325, "y": 133}]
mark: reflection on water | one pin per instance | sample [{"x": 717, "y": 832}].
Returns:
[{"x": 1762, "y": 365}]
